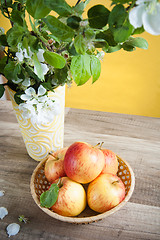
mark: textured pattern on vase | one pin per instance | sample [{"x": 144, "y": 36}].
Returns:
[{"x": 42, "y": 138}]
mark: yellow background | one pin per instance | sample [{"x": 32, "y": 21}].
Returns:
[{"x": 129, "y": 81}]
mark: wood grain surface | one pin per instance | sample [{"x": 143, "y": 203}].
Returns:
[{"x": 135, "y": 139}]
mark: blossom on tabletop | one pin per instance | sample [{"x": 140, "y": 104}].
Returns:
[
  {"x": 13, "y": 229},
  {"x": 3, "y": 212}
]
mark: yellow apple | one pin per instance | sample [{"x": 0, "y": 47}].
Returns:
[
  {"x": 71, "y": 198},
  {"x": 105, "y": 192}
]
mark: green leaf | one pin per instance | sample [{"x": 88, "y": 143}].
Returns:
[
  {"x": 12, "y": 70},
  {"x": 98, "y": 16},
  {"x": 38, "y": 67},
  {"x": 59, "y": 6},
  {"x": 79, "y": 8},
  {"x": 80, "y": 69},
  {"x": 73, "y": 22},
  {"x": 107, "y": 36},
  {"x": 3, "y": 62},
  {"x": 47, "y": 85},
  {"x": 59, "y": 29},
  {"x": 2, "y": 89},
  {"x": 80, "y": 44},
  {"x": 114, "y": 49},
  {"x": 31, "y": 73},
  {"x": 95, "y": 68},
  {"x": 49, "y": 198},
  {"x": 138, "y": 42},
  {"x": 33, "y": 43},
  {"x": 119, "y": 24},
  {"x": 101, "y": 43},
  {"x": 54, "y": 59},
  {"x": 37, "y": 8},
  {"x": 61, "y": 75},
  {"x": 3, "y": 40},
  {"x": 14, "y": 35},
  {"x": 16, "y": 17},
  {"x": 128, "y": 47},
  {"x": 138, "y": 30}
]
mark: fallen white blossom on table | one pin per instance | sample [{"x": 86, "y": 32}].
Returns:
[
  {"x": 13, "y": 229},
  {"x": 1, "y": 193},
  {"x": 3, "y": 212}
]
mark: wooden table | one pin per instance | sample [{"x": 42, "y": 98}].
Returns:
[{"x": 136, "y": 139}]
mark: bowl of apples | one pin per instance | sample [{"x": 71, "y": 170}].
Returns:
[{"x": 82, "y": 183}]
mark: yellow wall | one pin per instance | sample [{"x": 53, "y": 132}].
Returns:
[{"x": 129, "y": 81}]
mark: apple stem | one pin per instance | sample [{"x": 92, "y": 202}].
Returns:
[
  {"x": 101, "y": 145},
  {"x": 51, "y": 153},
  {"x": 117, "y": 181},
  {"x": 59, "y": 183},
  {"x": 96, "y": 145}
]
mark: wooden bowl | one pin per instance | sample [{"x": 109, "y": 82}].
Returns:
[{"x": 39, "y": 184}]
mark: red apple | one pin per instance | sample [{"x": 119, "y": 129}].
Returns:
[
  {"x": 54, "y": 166},
  {"x": 105, "y": 192},
  {"x": 83, "y": 162},
  {"x": 71, "y": 198},
  {"x": 111, "y": 162}
]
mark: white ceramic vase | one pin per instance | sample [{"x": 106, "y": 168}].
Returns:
[{"x": 40, "y": 139}]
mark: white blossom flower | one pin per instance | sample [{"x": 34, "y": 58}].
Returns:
[
  {"x": 40, "y": 55},
  {"x": 47, "y": 111},
  {"x": 13, "y": 229},
  {"x": 26, "y": 53},
  {"x": 146, "y": 13},
  {"x": 28, "y": 110},
  {"x": 19, "y": 55},
  {"x": 1, "y": 193},
  {"x": 44, "y": 67},
  {"x": 3, "y": 212},
  {"x": 18, "y": 80},
  {"x": 26, "y": 82},
  {"x": 30, "y": 93},
  {"x": 38, "y": 106}
]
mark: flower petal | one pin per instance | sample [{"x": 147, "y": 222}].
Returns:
[
  {"x": 135, "y": 16},
  {"x": 3, "y": 212},
  {"x": 25, "y": 97},
  {"x": 26, "y": 53},
  {"x": 151, "y": 21},
  {"x": 13, "y": 229},
  {"x": 30, "y": 91},
  {"x": 43, "y": 99},
  {"x": 41, "y": 90},
  {"x": 44, "y": 68},
  {"x": 18, "y": 80},
  {"x": 40, "y": 55},
  {"x": 19, "y": 55},
  {"x": 26, "y": 82}
]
